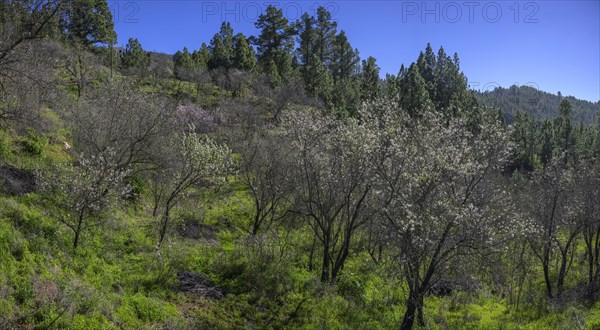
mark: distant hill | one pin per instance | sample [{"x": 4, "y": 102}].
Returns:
[{"x": 541, "y": 104}]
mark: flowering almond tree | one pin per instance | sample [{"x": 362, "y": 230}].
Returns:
[
  {"x": 333, "y": 171},
  {"x": 197, "y": 159},
  {"x": 436, "y": 192},
  {"x": 81, "y": 193},
  {"x": 561, "y": 209},
  {"x": 264, "y": 169}
]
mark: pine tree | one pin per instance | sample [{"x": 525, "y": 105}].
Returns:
[
  {"x": 273, "y": 74},
  {"x": 427, "y": 65},
  {"x": 183, "y": 62},
  {"x": 326, "y": 30},
  {"x": 451, "y": 90},
  {"x": 346, "y": 97},
  {"x": 222, "y": 48},
  {"x": 319, "y": 82},
  {"x": 135, "y": 56},
  {"x": 524, "y": 138},
  {"x": 244, "y": 57},
  {"x": 345, "y": 59},
  {"x": 563, "y": 139},
  {"x": 414, "y": 97},
  {"x": 370, "y": 89},
  {"x": 88, "y": 22},
  {"x": 198, "y": 60},
  {"x": 274, "y": 42},
  {"x": 565, "y": 109},
  {"x": 391, "y": 86},
  {"x": 202, "y": 57},
  {"x": 546, "y": 142},
  {"x": 306, "y": 38}
]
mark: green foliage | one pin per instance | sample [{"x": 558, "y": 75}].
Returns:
[
  {"x": 135, "y": 56},
  {"x": 79, "y": 195},
  {"x": 222, "y": 48},
  {"x": 414, "y": 96},
  {"x": 244, "y": 57},
  {"x": 274, "y": 43},
  {"x": 138, "y": 311},
  {"x": 121, "y": 279},
  {"x": 88, "y": 22},
  {"x": 540, "y": 104},
  {"x": 370, "y": 87},
  {"x": 6, "y": 148},
  {"x": 36, "y": 143}
]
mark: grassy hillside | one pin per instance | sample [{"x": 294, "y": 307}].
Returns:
[
  {"x": 212, "y": 274},
  {"x": 224, "y": 189}
]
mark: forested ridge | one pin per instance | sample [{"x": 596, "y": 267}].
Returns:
[
  {"x": 276, "y": 181},
  {"x": 540, "y": 104}
]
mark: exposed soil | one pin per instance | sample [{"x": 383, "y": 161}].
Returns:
[
  {"x": 16, "y": 182},
  {"x": 197, "y": 284}
]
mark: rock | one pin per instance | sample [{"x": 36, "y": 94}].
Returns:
[
  {"x": 16, "y": 182},
  {"x": 196, "y": 284}
]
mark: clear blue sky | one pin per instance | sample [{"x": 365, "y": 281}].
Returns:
[{"x": 550, "y": 45}]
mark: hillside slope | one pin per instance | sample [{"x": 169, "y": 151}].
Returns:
[{"x": 542, "y": 105}]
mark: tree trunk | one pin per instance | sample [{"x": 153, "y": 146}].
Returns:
[
  {"x": 587, "y": 238},
  {"x": 326, "y": 262},
  {"x": 311, "y": 255},
  {"x": 78, "y": 230},
  {"x": 157, "y": 197},
  {"x": 163, "y": 229},
  {"x": 547, "y": 279},
  {"x": 339, "y": 264},
  {"x": 565, "y": 263},
  {"x": 596, "y": 258},
  {"x": 420, "y": 318},
  {"x": 414, "y": 305},
  {"x": 257, "y": 220},
  {"x": 76, "y": 240},
  {"x": 561, "y": 278}
]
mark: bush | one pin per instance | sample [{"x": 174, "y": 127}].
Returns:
[
  {"x": 5, "y": 147},
  {"x": 138, "y": 311},
  {"x": 351, "y": 286},
  {"x": 35, "y": 144}
]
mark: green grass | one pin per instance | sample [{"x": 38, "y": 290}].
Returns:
[{"x": 117, "y": 279}]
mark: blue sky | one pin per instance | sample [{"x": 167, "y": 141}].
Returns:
[{"x": 550, "y": 45}]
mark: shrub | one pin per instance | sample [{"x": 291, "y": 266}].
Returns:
[
  {"x": 36, "y": 143},
  {"x": 137, "y": 310},
  {"x": 5, "y": 147}
]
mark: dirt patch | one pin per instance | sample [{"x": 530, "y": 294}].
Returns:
[
  {"x": 195, "y": 230},
  {"x": 197, "y": 284},
  {"x": 16, "y": 182}
]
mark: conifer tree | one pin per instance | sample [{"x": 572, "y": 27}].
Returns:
[
  {"x": 326, "y": 30},
  {"x": 222, "y": 48},
  {"x": 345, "y": 59},
  {"x": 427, "y": 63},
  {"x": 244, "y": 57},
  {"x": 562, "y": 127},
  {"x": 414, "y": 98},
  {"x": 275, "y": 42},
  {"x": 135, "y": 56},
  {"x": 370, "y": 89},
  {"x": 88, "y": 22},
  {"x": 306, "y": 39},
  {"x": 183, "y": 62}
]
